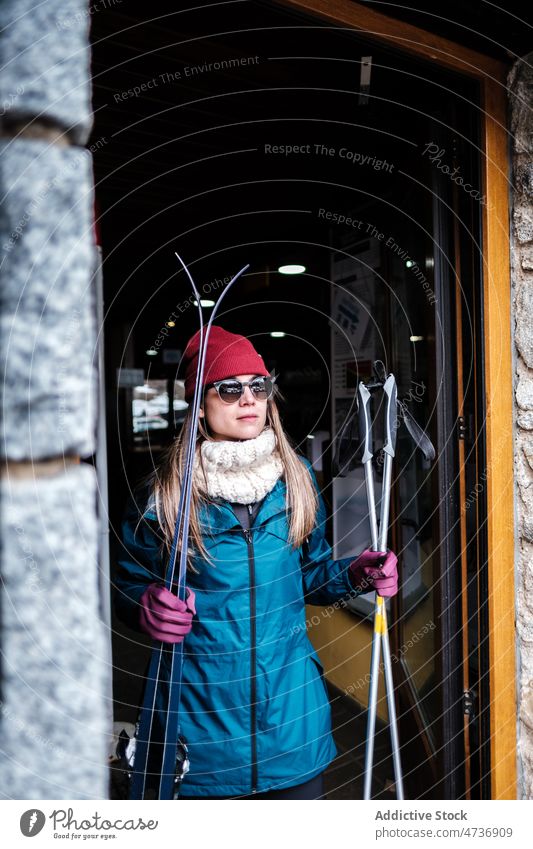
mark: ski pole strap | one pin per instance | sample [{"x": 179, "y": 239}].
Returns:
[{"x": 419, "y": 436}]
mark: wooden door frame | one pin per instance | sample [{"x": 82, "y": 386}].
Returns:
[{"x": 491, "y": 75}]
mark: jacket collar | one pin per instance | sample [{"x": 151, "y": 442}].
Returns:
[{"x": 217, "y": 515}]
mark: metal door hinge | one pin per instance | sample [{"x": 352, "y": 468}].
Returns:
[{"x": 469, "y": 699}]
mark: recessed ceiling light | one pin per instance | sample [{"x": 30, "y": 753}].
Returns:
[
  {"x": 204, "y": 302},
  {"x": 409, "y": 263},
  {"x": 291, "y": 269},
  {"x": 416, "y": 338},
  {"x": 151, "y": 352},
  {"x": 277, "y": 334}
]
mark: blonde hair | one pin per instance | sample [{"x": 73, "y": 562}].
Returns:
[{"x": 301, "y": 501}]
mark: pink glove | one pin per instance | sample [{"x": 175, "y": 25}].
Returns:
[
  {"x": 164, "y": 616},
  {"x": 375, "y": 570}
]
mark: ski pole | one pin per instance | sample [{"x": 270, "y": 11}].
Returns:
[
  {"x": 365, "y": 429},
  {"x": 389, "y": 448}
]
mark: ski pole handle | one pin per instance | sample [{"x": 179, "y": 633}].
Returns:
[
  {"x": 389, "y": 448},
  {"x": 391, "y": 423},
  {"x": 365, "y": 424},
  {"x": 365, "y": 432}
]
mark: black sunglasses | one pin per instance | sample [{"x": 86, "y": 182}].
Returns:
[{"x": 231, "y": 389}]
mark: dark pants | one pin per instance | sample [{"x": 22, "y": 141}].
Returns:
[{"x": 312, "y": 789}]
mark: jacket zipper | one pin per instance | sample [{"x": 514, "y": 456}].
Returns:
[{"x": 253, "y": 694}]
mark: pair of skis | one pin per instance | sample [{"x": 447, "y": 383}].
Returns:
[{"x": 173, "y": 754}]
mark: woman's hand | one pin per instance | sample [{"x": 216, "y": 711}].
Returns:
[
  {"x": 375, "y": 570},
  {"x": 164, "y": 616}
]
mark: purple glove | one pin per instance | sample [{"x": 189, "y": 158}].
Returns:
[
  {"x": 375, "y": 570},
  {"x": 164, "y": 616}
]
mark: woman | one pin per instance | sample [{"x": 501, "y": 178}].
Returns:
[{"x": 254, "y": 707}]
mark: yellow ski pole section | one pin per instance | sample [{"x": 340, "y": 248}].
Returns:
[{"x": 380, "y": 616}]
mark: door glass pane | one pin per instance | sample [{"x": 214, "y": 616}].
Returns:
[
  {"x": 383, "y": 308},
  {"x": 411, "y": 346}
]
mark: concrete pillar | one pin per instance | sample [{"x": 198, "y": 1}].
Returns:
[{"x": 55, "y": 671}]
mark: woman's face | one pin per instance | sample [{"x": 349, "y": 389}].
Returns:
[{"x": 245, "y": 419}]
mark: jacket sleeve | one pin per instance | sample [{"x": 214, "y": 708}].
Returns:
[
  {"x": 325, "y": 580},
  {"x": 139, "y": 562}
]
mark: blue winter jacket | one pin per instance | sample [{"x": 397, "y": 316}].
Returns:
[{"x": 254, "y": 706}]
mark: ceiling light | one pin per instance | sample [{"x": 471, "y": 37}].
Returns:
[
  {"x": 277, "y": 334},
  {"x": 171, "y": 323},
  {"x": 291, "y": 269},
  {"x": 151, "y": 352},
  {"x": 416, "y": 338},
  {"x": 205, "y": 302}
]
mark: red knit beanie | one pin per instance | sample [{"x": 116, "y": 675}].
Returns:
[{"x": 228, "y": 354}]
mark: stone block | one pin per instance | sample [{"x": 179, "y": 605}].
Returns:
[
  {"x": 525, "y": 420},
  {"x": 524, "y": 179},
  {"x": 524, "y": 486},
  {"x": 47, "y": 300},
  {"x": 56, "y": 663},
  {"x": 524, "y": 390},
  {"x": 526, "y": 258},
  {"x": 520, "y": 86},
  {"x": 523, "y": 223},
  {"x": 526, "y": 706},
  {"x": 526, "y": 573},
  {"x": 524, "y": 322}
]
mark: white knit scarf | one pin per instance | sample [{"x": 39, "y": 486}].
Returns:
[{"x": 240, "y": 471}]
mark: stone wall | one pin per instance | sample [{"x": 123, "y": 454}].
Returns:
[
  {"x": 521, "y": 100},
  {"x": 53, "y": 711}
]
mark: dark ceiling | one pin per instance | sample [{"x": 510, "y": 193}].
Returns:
[
  {"x": 500, "y": 30},
  {"x": 186, "y": 103}
]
